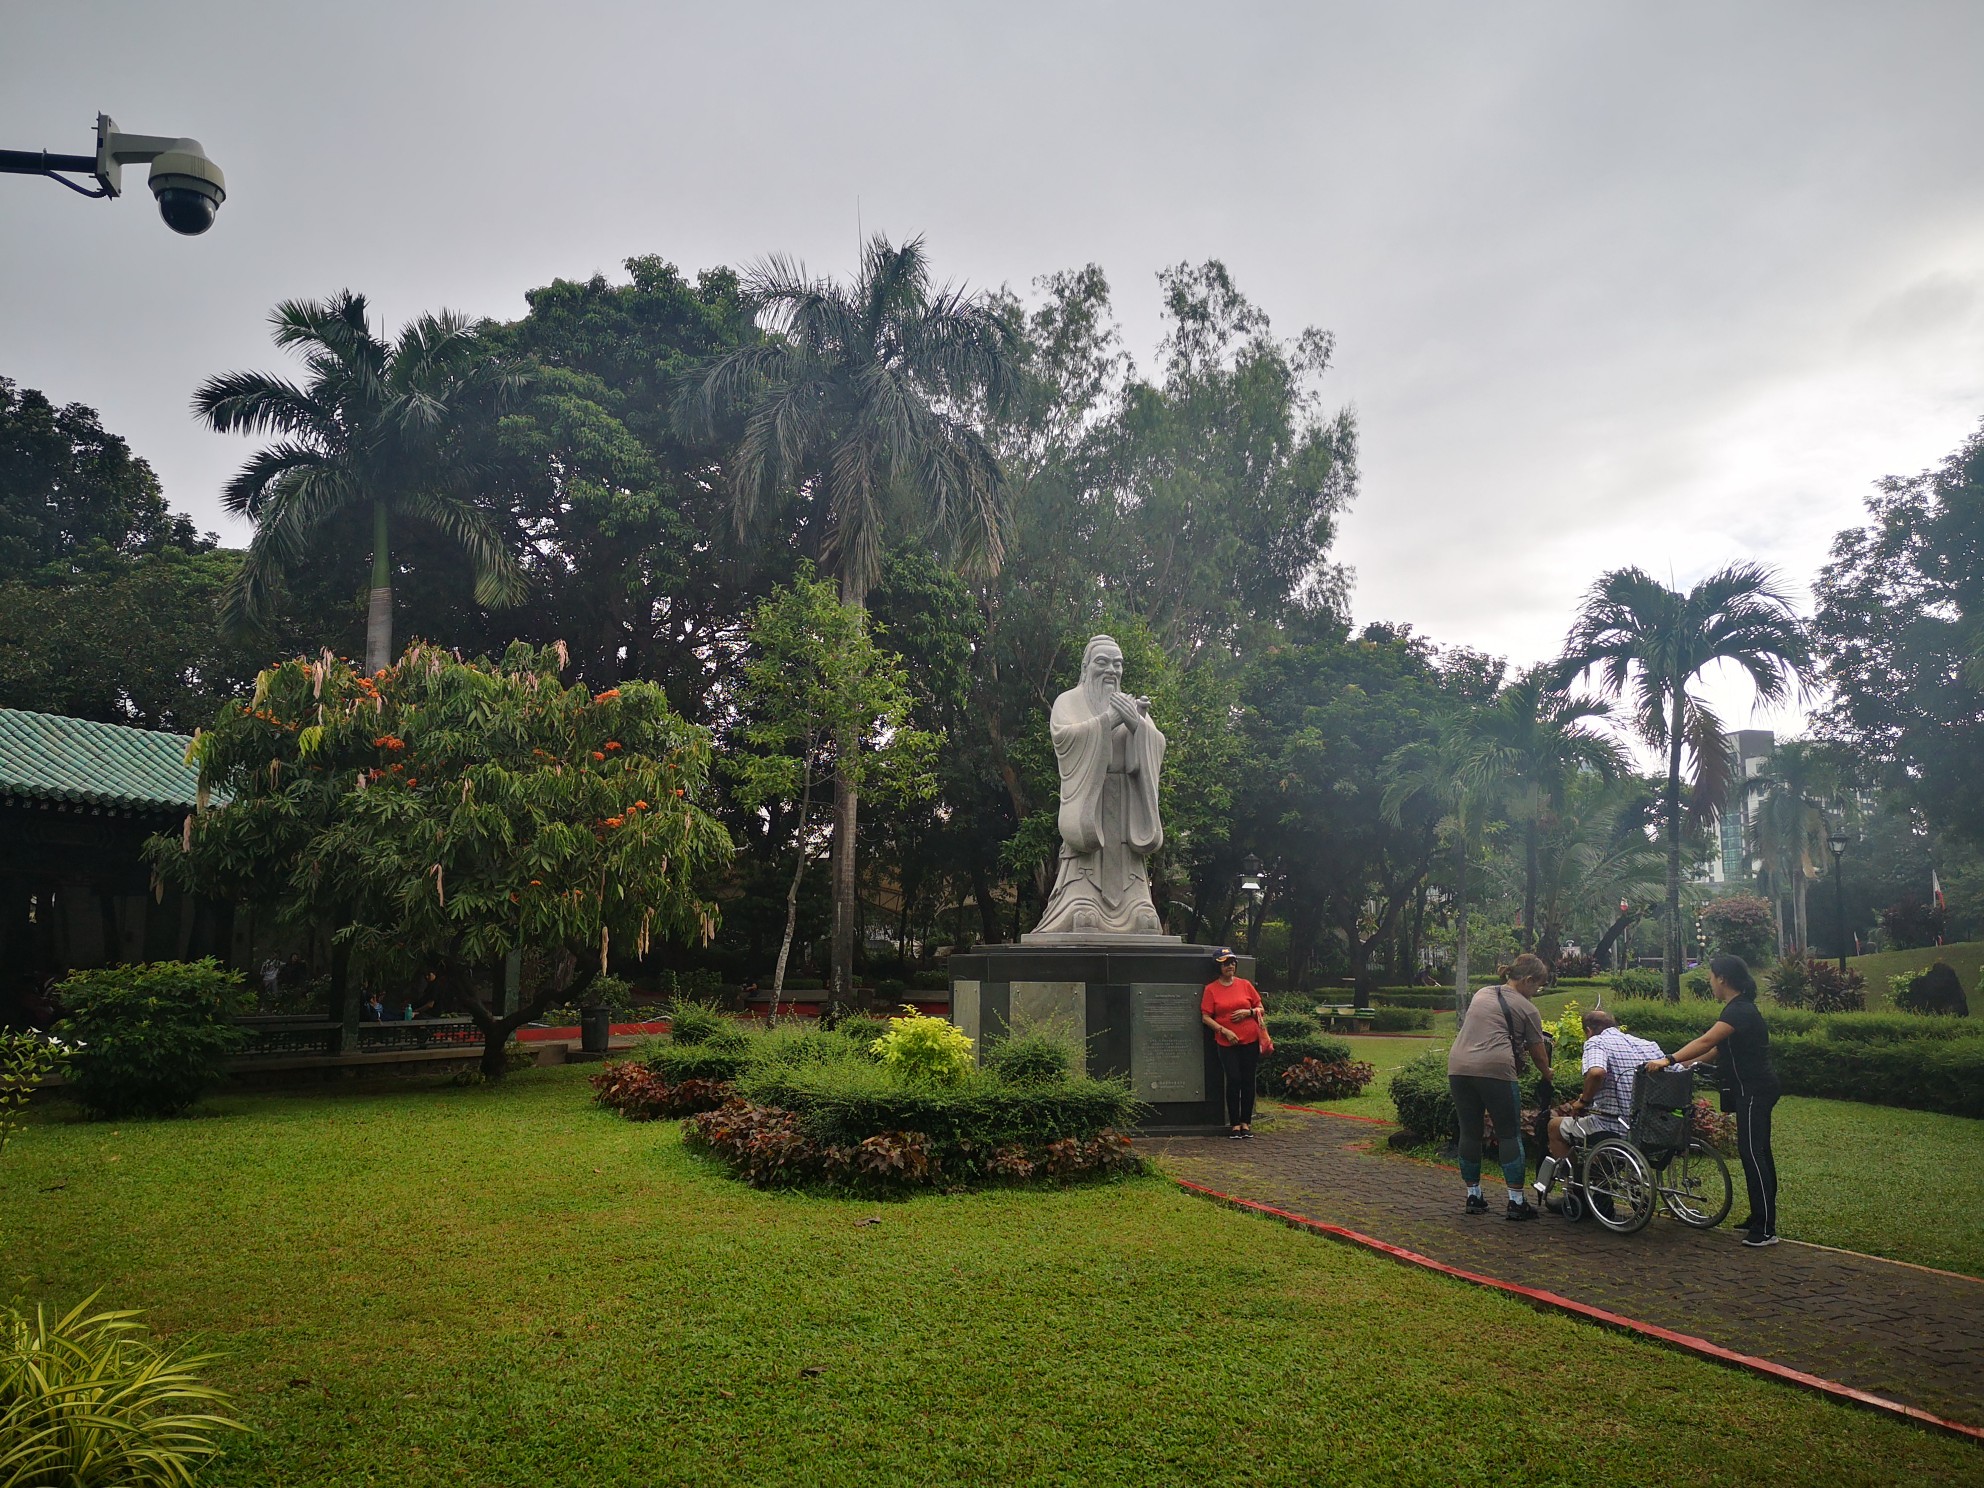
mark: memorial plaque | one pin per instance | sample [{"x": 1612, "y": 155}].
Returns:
[
  {"x": 1167, "y": 1043},
  {"x": 964, "y": 1009},
  {"x": 1059, "y": 1008}
]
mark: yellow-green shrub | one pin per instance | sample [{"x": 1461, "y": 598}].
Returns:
[{"x": 929, "y": 1050}]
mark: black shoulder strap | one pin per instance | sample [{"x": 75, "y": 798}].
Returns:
[{"x": 1516, "y": 1045}]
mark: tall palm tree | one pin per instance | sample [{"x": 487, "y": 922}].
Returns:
[
  {"x": 1597, "y": 854},
  {"x": 368, "y": 432},
  {"x": 1787, "y": 833},
  {"x": 1445, "y": 773},
  {"x": 860, "y": 398},
  {"x": 1653, "y": 642},
  {"x": 1537, "y": 738}
]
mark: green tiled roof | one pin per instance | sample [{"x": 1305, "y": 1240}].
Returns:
[{"x": 73, "y": 762}]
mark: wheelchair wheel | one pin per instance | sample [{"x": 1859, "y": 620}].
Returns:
[
  {"x": 1618, "y": 1187},
  {"x": 1696, "y": 1187},
  {"x": 1573, "y": 1205}
]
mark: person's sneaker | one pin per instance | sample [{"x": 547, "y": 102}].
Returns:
[
  {"x": 1524, "y": 1210},
  {"x": 1477, "y": 1204},
  {"x": 1759, "y": 1240},
  {"x": 1236, "y": 1135}
]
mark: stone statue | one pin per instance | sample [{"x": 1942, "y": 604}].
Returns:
[{"x": 1110, "y": 754}]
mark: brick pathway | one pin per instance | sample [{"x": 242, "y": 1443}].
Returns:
[{"x": 1912, "y": 1335}]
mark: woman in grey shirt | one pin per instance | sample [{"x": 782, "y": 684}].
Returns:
[{"x": 1500, "y": 1026}]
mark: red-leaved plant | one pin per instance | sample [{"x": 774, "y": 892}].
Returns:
[{"x": 1327, "y": 1079}]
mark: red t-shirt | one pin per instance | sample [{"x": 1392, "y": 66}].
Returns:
[{"x": 1221, "y": 1002}]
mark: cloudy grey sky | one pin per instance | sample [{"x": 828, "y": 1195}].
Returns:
[{"x": 1611, "y": 283}]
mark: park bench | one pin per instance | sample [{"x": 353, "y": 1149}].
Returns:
[{"x": 1342, "y": 1017}]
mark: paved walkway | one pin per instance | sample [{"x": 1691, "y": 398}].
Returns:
[{"x": 1909, "y": 1334}]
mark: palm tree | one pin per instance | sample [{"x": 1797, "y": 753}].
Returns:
[
  {"x": 1652, "y": 641},
  {"x": 367, "y": 433},
  {"x": 1788, "y": 827},
  {"x": 1445, "y": 773},
  {"x": 1537, "y": 738},
  {"x": 859, "y": 399},
  {"x": 1597, "y": 854}
]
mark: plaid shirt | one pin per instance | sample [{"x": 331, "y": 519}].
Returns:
[{"x": 1620, "y": 1055}]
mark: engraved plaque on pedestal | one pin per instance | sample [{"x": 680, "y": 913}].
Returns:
[
  {"x": 1167, "y": 1042},
  {"x": 964, "y": 1009}
]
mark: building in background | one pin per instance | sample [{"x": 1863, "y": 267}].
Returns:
[{"x": 1733, "y": 864}]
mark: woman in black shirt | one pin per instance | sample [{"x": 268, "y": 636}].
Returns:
[{"x": 1740, "y": 1045}]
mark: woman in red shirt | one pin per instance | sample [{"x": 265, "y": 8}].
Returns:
[{"x": 1231, "y": 1008}]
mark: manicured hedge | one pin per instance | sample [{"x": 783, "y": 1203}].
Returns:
[
  {"x": 1419, "y": 1093},
  {"x": 1292, "y": 1051},
  {"x": 843, "y": 1104},
  {"x": 1888, "y": 1059}
]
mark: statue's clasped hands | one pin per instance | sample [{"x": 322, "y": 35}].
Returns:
[{"x": 1126, "y": 709}]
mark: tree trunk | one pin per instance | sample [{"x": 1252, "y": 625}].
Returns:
[
  {"x": 847, "y": 810},
  {"x": 1801, "y": 922},
  {"x": 1671, "y": 951},
  {"x": 497, "y": 1028},
  {"x": 1460, "y": 930},
  {"x": 1530, "y": 873},
  {"x": 792, "y": 895},
  {"x": 379, "y": 606},
  {"x": 988, "y": 909}
]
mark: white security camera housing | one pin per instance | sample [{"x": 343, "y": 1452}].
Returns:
[{"x": 189, "y": 186}]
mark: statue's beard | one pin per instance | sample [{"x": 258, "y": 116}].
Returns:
[{"x": 1096, "y": 691}]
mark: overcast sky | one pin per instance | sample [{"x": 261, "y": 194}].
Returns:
[{"x": 1611, "y": 283}]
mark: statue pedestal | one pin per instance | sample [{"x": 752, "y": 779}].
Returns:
[{"x": 1130, "y": 1002}]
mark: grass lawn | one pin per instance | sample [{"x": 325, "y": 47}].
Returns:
[
  {"x": 1857, "y": 1176},
  {"x": 508, "y": 1287},
  {"x": 1966, "y": 958}
]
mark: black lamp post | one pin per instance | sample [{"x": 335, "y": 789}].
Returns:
[
  {"x": 1836, "y": 844},
  {"x": 1250, "y": 885}
]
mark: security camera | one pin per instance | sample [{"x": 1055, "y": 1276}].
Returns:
[{"x": 189, "y": 187}]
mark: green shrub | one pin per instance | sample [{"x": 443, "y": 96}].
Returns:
[
  {"x": 709, "y": 1061},
  {"x": 931, "y": 981},
  {"x": 90, "y": 1401},
  {"x": 932, "y": 1051},
  {"x": 26, "y": 1059},
  {"x": 844, "y": 1104},
  {"x": 1400, "y": 1019},
  {"x": 861, "y": 1030},
  {"x": 697, "y": 1023},
  {"x": 1293, "y": 1025},
  {"x": 1636, "y": 983},
  {"x": 149, "y": 1040},
  {"x": 890, "y": 990},
  {"x": 1695, "y": 984},
  {"x": 1031, "y": 1059},
  {"x": 1419, "y": 1093},
  {"x": 1807, "y": 982}
]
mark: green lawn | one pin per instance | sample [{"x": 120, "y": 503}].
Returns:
[
  {"x": 1857, "y": 1176},
  {"x": 497, "y": 1287},
  {"x": 1966, "y": 958}
]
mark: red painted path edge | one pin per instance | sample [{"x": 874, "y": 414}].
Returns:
[{"x": 1686, "y": 1342}]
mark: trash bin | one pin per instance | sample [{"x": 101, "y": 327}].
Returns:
[{"x": 595, "y": 1029}]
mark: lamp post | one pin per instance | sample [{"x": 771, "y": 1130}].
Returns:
[
  {"x": 1836, "y": 843},
  {"x": 1250, "y": 885}
]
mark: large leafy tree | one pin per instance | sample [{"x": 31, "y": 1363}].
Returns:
[
  {"x": 1901, "y": 626},
  {"x": 860, "y": 398},
  {"x": 1789, "y": 802},
  {"x": 447, "y": 813},
  {"x": 369, "y": 436},
  {"x": 1652, "y": 644}
]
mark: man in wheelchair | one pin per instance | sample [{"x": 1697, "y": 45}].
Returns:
[{"x": 1612, "y": 1060}]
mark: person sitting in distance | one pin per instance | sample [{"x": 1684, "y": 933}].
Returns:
[
  {"x": 1604, "y": 1107},
  {"x": 373, "y": 1009}
]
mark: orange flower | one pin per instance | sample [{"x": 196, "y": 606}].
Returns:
[
  {"x": 606, "y": 696},
  {"x": 680, "y": 792},
  {"x": 612, "y": 743},
  {"x": 616, "y": 821},
  {"x": 640, "y": 805},
  {"x": 597, "y": 755},
  {"x": 537, "y": 883}
]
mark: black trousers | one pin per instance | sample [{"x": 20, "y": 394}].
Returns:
[
  {"x": 1759, "y": 1166},
  {"x": 1241, "y": 1065}
]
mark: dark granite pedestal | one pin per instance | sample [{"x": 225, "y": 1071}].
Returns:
[{"x": 1132, "y": 1004}]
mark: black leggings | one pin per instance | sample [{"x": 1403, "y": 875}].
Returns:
[
  {"x": 1241, "y": 1064},
  {"x": 1501, "y": 1099},
  {"x": 1759, "y": 1166}
]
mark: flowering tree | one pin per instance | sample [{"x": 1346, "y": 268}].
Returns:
[{"x": 445, "y": 813}]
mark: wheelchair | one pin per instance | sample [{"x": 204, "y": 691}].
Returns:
[{"x": 1620, "y": 1180}]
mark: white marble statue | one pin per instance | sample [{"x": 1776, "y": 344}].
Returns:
[{"x": 1110, "y": 754}]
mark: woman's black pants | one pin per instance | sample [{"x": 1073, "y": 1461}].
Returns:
[
  {"x": 1240, "y": 1064},
  {"x": 1759, "y": 1166}
]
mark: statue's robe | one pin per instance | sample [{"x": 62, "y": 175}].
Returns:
[{"x": 1109, "y": 821}]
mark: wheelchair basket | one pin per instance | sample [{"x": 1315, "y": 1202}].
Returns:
[{"x": 1663, "y": 1102}]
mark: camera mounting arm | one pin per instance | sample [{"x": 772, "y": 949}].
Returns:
[{"x": 189, "y": 186}]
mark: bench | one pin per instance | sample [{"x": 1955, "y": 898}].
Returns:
[{"x": 1342, "y": 1018}]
